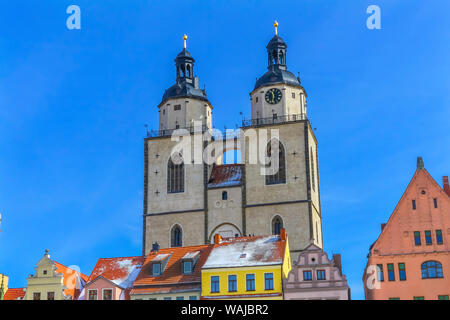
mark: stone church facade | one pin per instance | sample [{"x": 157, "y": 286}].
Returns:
[{"x": 187, "y": 203}]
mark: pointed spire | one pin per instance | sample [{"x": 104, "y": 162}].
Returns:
[
  {"x": 420, "y": 164},
  {"x": 184, "y": 39}
]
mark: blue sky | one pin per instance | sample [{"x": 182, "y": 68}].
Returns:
[{"x": 73, "y": 104}]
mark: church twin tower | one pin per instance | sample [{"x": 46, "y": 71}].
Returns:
[{"x": 188, "y": 203}]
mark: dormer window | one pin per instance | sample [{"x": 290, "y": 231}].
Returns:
[
  {"x": 156, "y": 270},
  {"x": 188, "y": 262},
  {"x": 159, "y": 264}
]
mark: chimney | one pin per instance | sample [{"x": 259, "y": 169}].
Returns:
[
  {"x": 420, "y": 164},
  {"x": 283, "y": 235},
  {"x": 445, "y": 185},
  {"x": 217, "y": 238},
  {"x": 155, "y": 247},
  {"x": 382, "y": 226},
  {"x": 337, "y": 262}
]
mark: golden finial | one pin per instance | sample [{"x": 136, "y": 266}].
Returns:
[
  {"x": 275, "y": 24},
  {"x": 185, "y": 38}
]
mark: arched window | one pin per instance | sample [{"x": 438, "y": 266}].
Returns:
[
  {"x": 280, "y": 173},
  {"x": 224, "y": 195},
  {"x": 176, "y": 236},
  {"x": 313, "y": 176},
  {"x": 175, "y": 177},
  {"x": 188, "y": 73},
  {"x": 277, "y": 225},
  {"x": 431, "y": 269}
]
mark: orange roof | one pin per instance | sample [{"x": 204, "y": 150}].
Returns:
[
  {"x": 172, "y": 274},
  {"x": 121, "y": 271},
  {"x": 72, "y": 279},
  {"x": 14, "y": 294}
]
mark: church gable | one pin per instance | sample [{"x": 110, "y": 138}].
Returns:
[{"x": 423, "y": 205}]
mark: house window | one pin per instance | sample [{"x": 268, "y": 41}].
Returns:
[
  {"x": 176, "y": 236},
  {"x": 277, "y": 225},
  {"x": 274, "y": 116},
  {"x": 167, "y": 298},
  {"x": 50, "y": 296},
  {"x": 36, "y": 296},
  {"x": 428, "y": 240},
  {"x": 414, "y": 204},
  {"x": 431, "y": 270},
  {"x": 215, "y": 286},
  {"x": 321, "y": 275},
  {"x": 276, "y": 175},
  {"x": 224, "y": 195},
  {"x": 44, "y": 272},
  {"x": 232, "y": 283},
  {"x": 419, "y": 298},
  {"x": 187, "y": 267},
  {"x": 268, "y": 281},
  {"x": 92, "y": 294},
  {"x": 444, "y": 297},
  {"x": 192, "y": 297},
  {"x": 394, "y": 298},
  {"x": 256, "y": 99},
  {"x": 391, "y": 274},
  {"x": 417, "y": 241},
  {"x": 180, "y": 298},
  {"x": 156, "y": 269},
  {"x": 177, "y": 107},
  {"x": 175, "y": 177},
  {"x": 293, "y": 95},
  {"x": 402, "y": 271},
  {"x": 307, "y": 275},
  {"x": 439, "y": 239},
  {"x": 250, "y": 282},
  {"x": 435, "y": 202},
  {"x": 380, "y": 275},
  {"x": 107, "y": 294}
]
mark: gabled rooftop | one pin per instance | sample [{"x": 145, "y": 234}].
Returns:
[
  {"x": 121, "y": 271},
  {"x": 172, "y": 274}
]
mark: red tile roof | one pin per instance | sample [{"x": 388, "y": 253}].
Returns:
[
  {"x": 14, "y": 294},
  {"x": 172, "y": 274},
  {"x": 225, "y": 175},
  {"x": 122, "y": 271}
]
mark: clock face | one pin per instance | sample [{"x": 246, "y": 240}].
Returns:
[{"x": 273, "y": 96}]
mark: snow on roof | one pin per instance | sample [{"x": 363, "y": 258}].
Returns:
[
  {"x": 160, "y": 257},
  {"x": 191, "y": 255},
  {"x": 225, "y": 176},
  {"x": 247, "y": 251},
  {"x": 121, "y": 271}
]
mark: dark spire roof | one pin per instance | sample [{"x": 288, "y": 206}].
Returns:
[
  {"x": 186, "y": 85},
  {"x": 277, "y": 69}
]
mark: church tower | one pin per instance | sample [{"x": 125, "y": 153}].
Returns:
[
  {"x": 290, "y": 198},
  {"x": 188, "y": 203},
  {"x": 174, "y": 193}
]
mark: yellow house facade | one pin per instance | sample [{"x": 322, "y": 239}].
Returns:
[{"x": 249, "y": 268}]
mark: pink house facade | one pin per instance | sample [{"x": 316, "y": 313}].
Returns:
[{"x": 316, "y": 277}]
